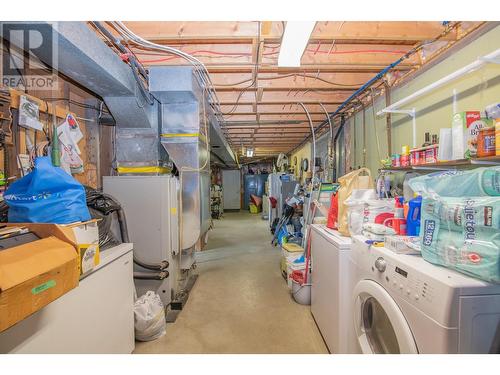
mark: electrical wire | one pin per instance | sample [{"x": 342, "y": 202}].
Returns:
[
  {"x": 77, "y": 103},
  {"x": 254, "y": 78},
  {"x": 200, "y": 71},
  {"x": 207, "y": 53},
  {"x": 313, "y": 139},
  {"x": 353, "y": 85},
  {"x": 130, "y": 59}
]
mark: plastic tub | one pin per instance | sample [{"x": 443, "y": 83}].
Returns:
[{"x": 301, "y": 293}]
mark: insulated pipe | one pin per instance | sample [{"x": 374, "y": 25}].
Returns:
[
  {"x": 341, "y": 126},
  {"x": 313, "y": 138},
  {"x": 151, "y": 276},
  {"x": 388, "y": 125},
  {"x": 329, "y": 120},
  {"x": 330, "y": 141}
]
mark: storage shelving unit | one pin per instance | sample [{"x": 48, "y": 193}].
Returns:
[{"x": 452, "y": 164}]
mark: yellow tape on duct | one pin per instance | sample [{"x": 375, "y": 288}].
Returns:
[
  {"x": 173, "y": 135},
  {"x": 183, "y": 135},
  {"x": 159, "y": 170}
]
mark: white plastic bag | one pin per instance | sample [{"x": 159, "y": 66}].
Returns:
[
  {"x": 149, "y": 315},
  {"x": 355, "y": 209},
  {"x": 364, "y": 207}
]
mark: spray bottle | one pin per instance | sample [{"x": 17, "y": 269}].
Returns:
[{"x": 399, "y": 221}]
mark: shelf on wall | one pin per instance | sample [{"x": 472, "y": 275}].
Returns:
[{"x": 452, "y": 164}]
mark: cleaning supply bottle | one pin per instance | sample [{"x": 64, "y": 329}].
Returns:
[
  {"x": 413, "y": 218},
  {"x": 399, "y": 221}
]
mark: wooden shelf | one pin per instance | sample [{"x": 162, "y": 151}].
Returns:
[{"x": 452, "y": 164}]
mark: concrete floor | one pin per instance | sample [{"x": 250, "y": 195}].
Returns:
[{"x": 240, "y": 303}]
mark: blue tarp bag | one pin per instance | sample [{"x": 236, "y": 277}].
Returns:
[{"x": 46, "y": 195}]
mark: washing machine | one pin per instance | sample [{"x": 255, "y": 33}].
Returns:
[
  {"x": 331, "y": 289},
  {"x": 403, "y": 304}
]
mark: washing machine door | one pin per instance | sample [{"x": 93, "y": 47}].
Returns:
[{"x": 379, "y": 324}]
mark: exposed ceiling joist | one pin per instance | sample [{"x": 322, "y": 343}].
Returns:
[{"x": 259, "y": 99}]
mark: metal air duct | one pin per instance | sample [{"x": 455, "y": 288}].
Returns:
[{"x": 185, "y": 123}]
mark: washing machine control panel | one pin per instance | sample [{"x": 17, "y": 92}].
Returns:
[{"x": 401, "y": 281}]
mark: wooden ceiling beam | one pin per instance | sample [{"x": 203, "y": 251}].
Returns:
[
  {"x": 332, "y": 90},
  {"x": 290, "y": 107},
  {"x": 358, "y": 68},
  {"x": 175, "y": 31},
  {"x": 288, "y": 96},
  {"x": 315, "y": 54},
  {"x": 226, "y": 106},
  {"x": 248, "y": 124},
  {"x": 275, "y": 131},
  {"x": 298, "y": 80},
  {"x": 283, "y": 128},
  {"x": 379, "y": 30},
  {"x": 276, "y": 113}
]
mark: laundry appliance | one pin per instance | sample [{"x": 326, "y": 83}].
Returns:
[
  {"x": 403, "y": 304},
  {"x": 331, "y": 289}
]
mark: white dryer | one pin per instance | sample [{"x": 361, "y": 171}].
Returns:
[
  {"x": 331, "y": 289},
  {"x": 403, "y": 304}
]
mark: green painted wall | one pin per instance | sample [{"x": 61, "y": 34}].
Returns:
[{"x": 434, "y": 111}]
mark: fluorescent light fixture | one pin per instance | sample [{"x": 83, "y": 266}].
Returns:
[
  {"x": 249, "y": 152},
  {"x": 294, "y": 42}
]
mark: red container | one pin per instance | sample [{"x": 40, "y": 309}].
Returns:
[
  {"x": 431, "y": 153},
  {"x": 405, "y": 160},
  {"x": 424, "y": 155}
]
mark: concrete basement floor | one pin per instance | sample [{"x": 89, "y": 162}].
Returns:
[{"x": 240, "y": 302}]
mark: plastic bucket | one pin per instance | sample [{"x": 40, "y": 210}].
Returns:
[{"x": 301, "y": 293}]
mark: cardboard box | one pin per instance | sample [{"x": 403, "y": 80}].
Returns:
[
  {"x": 33, "y": 275},
  {"x": 402, "y": 244},
  {"x": 83, "y": 236},
  {"x": 465, "y": 128}
]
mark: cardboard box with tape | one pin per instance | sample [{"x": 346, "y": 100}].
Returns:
[
  {"x": 83, "y": 236},
  {"x": 34, "y": 274}
]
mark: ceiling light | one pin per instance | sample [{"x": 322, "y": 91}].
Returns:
[
  {"x": 294, "y": 42},
  {"x": 249, "y": 152}
]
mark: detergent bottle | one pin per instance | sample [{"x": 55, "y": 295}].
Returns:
[{"x": 413, "y": 218}]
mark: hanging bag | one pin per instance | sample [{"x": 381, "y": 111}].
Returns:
[
  {"x": 348, "y": 183},
  {"x": 46, "y": 195},
  {"x": 333, "y": 212}
]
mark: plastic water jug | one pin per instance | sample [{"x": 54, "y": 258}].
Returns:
[{"x": 413, "y": 219}]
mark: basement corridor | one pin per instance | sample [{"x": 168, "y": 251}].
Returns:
[{"x": 240, "y": 302}]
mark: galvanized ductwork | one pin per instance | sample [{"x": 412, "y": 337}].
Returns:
[
  {"x": 82, "y": 56},
  {"x": 185, "y": 124},
  {"x": 179, "y": 116}
]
